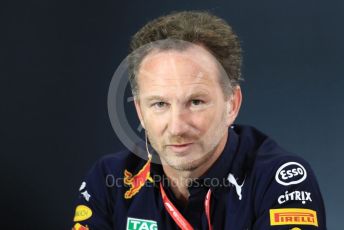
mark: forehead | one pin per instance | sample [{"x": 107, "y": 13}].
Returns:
[{"x": 192, "y": 67}]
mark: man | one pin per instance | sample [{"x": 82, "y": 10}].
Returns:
[{"x": 211, "y": 174}]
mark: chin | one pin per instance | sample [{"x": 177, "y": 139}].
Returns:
[{"x": 187, "y": 164}]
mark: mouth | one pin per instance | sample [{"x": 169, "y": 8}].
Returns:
[{"x": 180, "y": 147}]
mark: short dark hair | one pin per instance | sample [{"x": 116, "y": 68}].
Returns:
[{"x": 198, "y": 27}]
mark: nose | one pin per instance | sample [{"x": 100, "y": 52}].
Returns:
[{"x": 178, "y": 124}]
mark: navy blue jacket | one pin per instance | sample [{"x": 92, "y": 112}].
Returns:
[{"x": 255, "y": 184}]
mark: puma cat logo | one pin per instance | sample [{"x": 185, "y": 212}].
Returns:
[{"x": 238, "y": 188}]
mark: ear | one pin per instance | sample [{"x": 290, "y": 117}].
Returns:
[
  {"x": 233, "y": 106},
  {"x": 139, "y": 111}
]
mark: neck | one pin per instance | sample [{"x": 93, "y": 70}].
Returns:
[{"x": 180, "y": 178}]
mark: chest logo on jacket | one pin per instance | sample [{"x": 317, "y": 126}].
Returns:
[
  {"x": 291, "y": 173},
  {"x": 238, "y": 187},
  {"x": 141, "y": 224},
  {"x": 137, "y": 181}
]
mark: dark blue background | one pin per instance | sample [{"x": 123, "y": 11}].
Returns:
[{"x": 57, "y": 60}]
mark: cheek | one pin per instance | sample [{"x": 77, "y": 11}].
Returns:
[
  {"x": 155, "y": 124},
  {"x": 205, "y": 119},
  {"x": 215, "y": 120}
]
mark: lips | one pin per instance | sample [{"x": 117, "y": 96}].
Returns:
[
  {"x": 181, "y": 144},
  {"x": 180, "y": 147}
]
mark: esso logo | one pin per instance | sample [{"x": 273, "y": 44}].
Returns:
[{"x": 291, "y": 173}]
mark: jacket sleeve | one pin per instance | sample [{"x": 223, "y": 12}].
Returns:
[
  {"x": 290, "y": 197},
  {"x": 93, "y": 206}
]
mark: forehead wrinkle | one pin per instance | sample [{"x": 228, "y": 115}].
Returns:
[
  {"x": 187, "y": 88},
  {"x": 178, "y": 83},
  {"x": 181, "y": 96}
]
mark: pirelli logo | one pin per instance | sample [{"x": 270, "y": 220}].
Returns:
[{"x": 286, "y": 216}]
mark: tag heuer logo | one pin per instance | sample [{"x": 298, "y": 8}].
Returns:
[{"x": 141, "y": 224}]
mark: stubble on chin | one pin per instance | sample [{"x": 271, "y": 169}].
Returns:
[{"x": 183, "y": 164}]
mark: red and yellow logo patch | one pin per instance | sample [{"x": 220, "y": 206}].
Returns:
[
  {"x": 286, "y": 216},
  {"x": 137, "y": 181},
  {"x": 82, "y": 212},
  {"x": 78, "y": 226}
]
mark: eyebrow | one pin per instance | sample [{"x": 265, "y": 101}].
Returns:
[
  {"x": 154, "y": 97},
  {"x": 161, "y": 98}
]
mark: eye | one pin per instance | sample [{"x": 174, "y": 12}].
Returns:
[
  {"x": 196, "y": 102},
  {"x": 159, "y": 104}
]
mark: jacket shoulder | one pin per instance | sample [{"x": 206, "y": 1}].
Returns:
[{"x": 116, "y": 163}]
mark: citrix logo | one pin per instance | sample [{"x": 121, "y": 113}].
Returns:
[{"x": 302, "y": 196}]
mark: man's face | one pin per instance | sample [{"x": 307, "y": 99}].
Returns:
[{"x": 182, "y": 106}]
